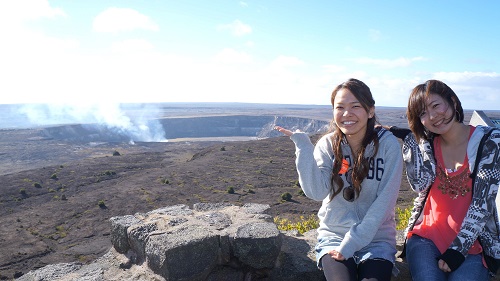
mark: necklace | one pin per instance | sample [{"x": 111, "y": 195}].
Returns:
[{"x": 453, "y": 185}]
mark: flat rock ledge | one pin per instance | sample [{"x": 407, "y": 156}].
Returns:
[{"x": 210, "y": 242}]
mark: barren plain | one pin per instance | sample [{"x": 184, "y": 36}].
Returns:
[{"x": 58, "y": 193}]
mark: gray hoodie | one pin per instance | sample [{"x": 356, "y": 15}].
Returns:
[{"x": 370, "y": 217}]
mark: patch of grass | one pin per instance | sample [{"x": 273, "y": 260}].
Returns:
[
  {"x": 304, "y": 224},
  {"x": 61, "y": 232}
]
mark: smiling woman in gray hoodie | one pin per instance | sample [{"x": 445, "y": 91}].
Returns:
[{"x": 355, "y": 170}]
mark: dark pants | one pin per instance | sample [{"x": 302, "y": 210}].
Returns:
[{"x": 348, "y": 270}]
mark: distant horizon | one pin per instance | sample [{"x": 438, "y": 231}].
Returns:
[
  {"x": 218, "y": 103},
  {"x": 139, "y": 115}
]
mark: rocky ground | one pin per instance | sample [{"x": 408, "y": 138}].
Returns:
[{"x": 59, "y": 212}]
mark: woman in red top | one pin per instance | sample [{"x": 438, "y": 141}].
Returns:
[{"x": 453, "y": 230}]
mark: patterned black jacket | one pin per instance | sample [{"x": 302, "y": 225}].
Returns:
[{"x": 481, "y": 221}]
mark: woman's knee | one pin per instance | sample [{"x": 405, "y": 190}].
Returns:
[
  {"x": 375, "y": 269},
  {"x": 338, "y": 270}
]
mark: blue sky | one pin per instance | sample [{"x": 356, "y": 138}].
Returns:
[{"x": 290, "y": 52}]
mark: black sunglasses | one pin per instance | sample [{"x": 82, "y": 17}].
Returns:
[{"x": 348, "y": 193}]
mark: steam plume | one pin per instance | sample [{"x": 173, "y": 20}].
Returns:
[{"x": 137, "y": 121}]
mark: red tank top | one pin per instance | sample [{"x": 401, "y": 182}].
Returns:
[{"x": 447, "y": 204}]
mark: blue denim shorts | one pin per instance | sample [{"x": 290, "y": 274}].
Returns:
[{"x": 374, "y": 250}]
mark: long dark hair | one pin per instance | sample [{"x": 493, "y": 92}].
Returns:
[
  {"x": 417, "y": 105},
  {"x": 360, "y": 164}
]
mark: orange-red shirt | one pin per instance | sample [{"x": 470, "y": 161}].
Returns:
[{"x": 443, "y": 215}]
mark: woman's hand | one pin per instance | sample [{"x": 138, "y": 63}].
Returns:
[
  {"x": 283, "y": 130},
  {"x": 336, "y": 255},
  {"x": 388, "y": 128},
  {"x": 443, "y": 266}
]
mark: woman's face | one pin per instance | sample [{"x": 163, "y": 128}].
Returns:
[
  {"x": 349, "y": 115},
  {"x": 437, "y": 114}
]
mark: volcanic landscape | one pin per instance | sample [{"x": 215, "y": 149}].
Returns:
[{"x": 60, "y": 183}]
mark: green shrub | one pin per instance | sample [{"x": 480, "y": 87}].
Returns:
[
  {"x": 165, "y": 181},
  {"x": 101, "y": 204},
  {"x": 402, "y": 217},
  {"x": 23, "y": 192},
  {"x": 286, "y": 196},
  {"x": 54, "y": 176},
  {"x": 230, "y": 190},
  {"x": 110, "y": 173},
  {"x": 223, "y": 148},
  {"x": 116, "y": 153}
]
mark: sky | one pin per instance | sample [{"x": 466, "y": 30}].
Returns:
[{"x": 285, "y": 52}]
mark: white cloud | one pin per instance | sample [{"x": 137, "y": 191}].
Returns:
[
  {"x": 22, "y": 10},
  {"x": 285, "y": 62},
  {"x": 250, "y": 44},
  {"x": 386, "y": 63},
  {"x": 476, "y": 90},
  {"x": 468, "y": 76},
  {"x": 131, "y": 45},
  {"x": 228, "y": 55},
  {"x": 30, "y": 59},
  {"x": 237, "y": 28},
  {"x": 122, "y": 19},
  {"x": 390, "y": 91},
  {"x": 334, "y": 68}
]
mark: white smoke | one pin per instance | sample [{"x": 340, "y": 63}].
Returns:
[{"x": 137, "y": 121}]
